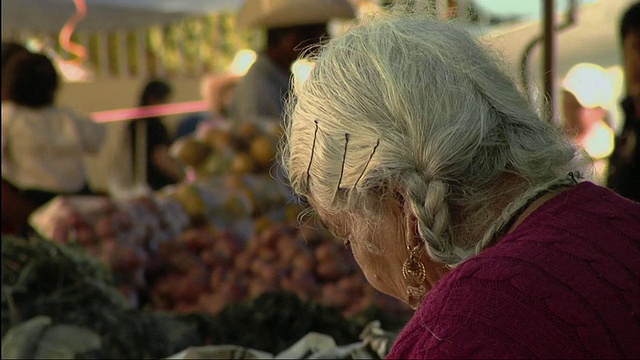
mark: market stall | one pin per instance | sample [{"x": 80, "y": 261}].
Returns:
[
  {"x": 219, "y": 259},
  {"x": 58, "y": 302},
  {"x": 223, "y": 258}
]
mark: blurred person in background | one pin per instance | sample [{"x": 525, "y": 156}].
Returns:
[
  {"x": 10, "y": 48},
  {"x": 217, "y": 91},
  {"x": 292, "y": 28},
  {"x": 20, "y": 207},
  {"x": 588, "y": 93},
  {"x": 624, "y": 164},
  {"x": 42, "y": 144},
  {"x": 161, "y": 168},
  {"x": 414, "y": 147},
  {"x": 261, "y": 93}
]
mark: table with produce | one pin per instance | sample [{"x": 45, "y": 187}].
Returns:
[{"x": 224, "y": 264}]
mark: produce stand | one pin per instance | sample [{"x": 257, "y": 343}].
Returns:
[{"x": 221, "y": 259}]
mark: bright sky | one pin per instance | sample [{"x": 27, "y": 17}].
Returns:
[{"x": 527, "y": 9}]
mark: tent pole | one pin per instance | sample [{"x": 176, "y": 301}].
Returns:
[{"x": 550, "y": 68}]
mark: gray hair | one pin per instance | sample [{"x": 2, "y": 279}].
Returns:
[{"x": 413, "y": 106}]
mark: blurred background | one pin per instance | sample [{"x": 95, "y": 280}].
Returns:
[{"x": 125, "y": 42}]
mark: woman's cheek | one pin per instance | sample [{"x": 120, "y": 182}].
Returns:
[{"x": 367, "y": 262}]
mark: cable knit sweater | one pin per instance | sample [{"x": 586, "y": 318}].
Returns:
[{"x": 564, "y": 284}]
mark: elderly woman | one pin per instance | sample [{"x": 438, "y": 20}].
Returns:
[{"x": 411, "y": 144}]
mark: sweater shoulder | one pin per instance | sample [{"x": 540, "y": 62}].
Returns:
[{"x": 560, "y": 286}]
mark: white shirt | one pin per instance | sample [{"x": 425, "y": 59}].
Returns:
[
  {"x": 260, "y": 93},
  {"x": 42, "y": 149}
]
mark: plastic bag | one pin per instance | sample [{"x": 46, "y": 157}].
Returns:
[
  {"x": 67, "y": 219},
  {"x": 38, "y": 338},
  {"x": 375, "y": 345}
]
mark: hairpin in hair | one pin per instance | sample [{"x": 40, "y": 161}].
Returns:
[
  {"x": 313, "y": 149},
  {"x": 344, "y": 159},
  {"x": 367, "y": 164},
  {"x": 575, "y": 176}
]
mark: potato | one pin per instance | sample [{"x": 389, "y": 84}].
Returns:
[
  {"x": 288, "y": 249},
  {"x": 259, "y": 286},
  {"x": 267, "y": 254},
  {"x": 182, "y": 261},
  {"x": 135, "y": 257},
  {"x": 330, "y": 270},
  {"x": 236, "y": 289},
  {"x": 210, "y": 258},
  {"x": 242, "y": 262},
  {"x": 332, "y": 296},
  {"x": 196, "y": 239},
  {"x": 270, "y": 273},
  {"x": 325, "y": 252},
  {"x": 258, "y": 265},
  {"x": 227, "y": 247},
  {"x": 191, "y": 285},
  {"x": 309, "y": 284},
  {"x": 268, "y": 238},
  {"x": 217, "y": 277},
  {"x": 164, "y": 287},
  {"x": 169, "y": 248},
  {"x": 304, "y": 261}
]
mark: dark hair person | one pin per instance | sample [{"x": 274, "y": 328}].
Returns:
[
  {"x": 624, "y": 163},
  {"x": 411, "y": 143},
  {"x": 161, "y": 169},
  {"x": 10, "y": 48},
  {"x": 42, "y": 144},
  {"x": 32, "y": 82}
]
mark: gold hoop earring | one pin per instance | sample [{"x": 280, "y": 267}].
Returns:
[{"x": 415, "y": 274}]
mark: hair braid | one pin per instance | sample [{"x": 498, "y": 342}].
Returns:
[{"x": 427, "y": 202}]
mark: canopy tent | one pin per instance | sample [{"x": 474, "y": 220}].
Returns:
[
  {"x": 592, "y": 39},
  {"x": 103, "y": 15}
]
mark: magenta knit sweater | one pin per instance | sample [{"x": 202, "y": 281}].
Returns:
[{"x": 565, "y": 284}]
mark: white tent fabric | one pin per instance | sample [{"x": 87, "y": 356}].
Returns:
[
  {"x": 50, "y": 15},
  {"x": 104, "y": 15},
  {"x": 278, "y": 13}
]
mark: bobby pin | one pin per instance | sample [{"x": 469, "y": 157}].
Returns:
[
  {"x": 313, "y": 148},
  {"x": 575, "y": 176},
  {"x": 367, "y": 164},
  {"x": 344, "y": 159}
]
